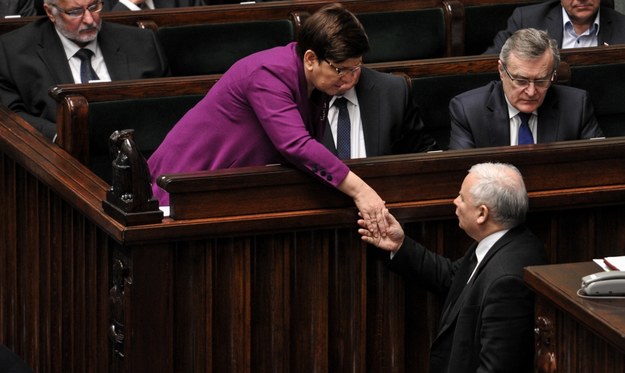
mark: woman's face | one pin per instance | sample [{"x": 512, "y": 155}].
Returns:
[{"x": 331, "y": 77}]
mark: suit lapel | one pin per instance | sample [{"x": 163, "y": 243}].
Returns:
[
  {"x": 50, "y": 51},
  {"x": 116, "y": 60},
  {"x": 454, "y": 299},
  {"x": 499, "y": 129},
  {"x": 369, "y": 112},
  {"x": 450, "y": 315},
  {"x": 550, "y": 119},
  {"x": 554, "y": 24},
  {"x": 605, "y": 32}
]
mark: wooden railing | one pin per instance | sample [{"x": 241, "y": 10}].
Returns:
[{"x": 292, "y": 289}]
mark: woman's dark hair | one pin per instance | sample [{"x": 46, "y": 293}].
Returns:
[{"x": 333, "y": 33}]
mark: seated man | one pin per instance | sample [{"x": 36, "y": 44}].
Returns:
[
  {"x": 523, "y": 107},
  {"x": 125, "y": 5},
  {"x": 50, "y": 51},
  {"x": 487, "y": 324},
  {"x": 572, "y": 23},
  {"x": 382, "y": 118}
]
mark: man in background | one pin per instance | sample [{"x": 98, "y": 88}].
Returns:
[
  {"x": 382, "y": 115},
  {"x": 572, "y": 23},
  {"x": 51, "y": 50},
  {"x": 523, "y": 107}
]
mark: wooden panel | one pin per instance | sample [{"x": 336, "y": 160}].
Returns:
[
  {"x": 283, "y": 292},
  {"x": 582, "y": 334}
]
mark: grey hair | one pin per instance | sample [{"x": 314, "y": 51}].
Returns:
[
  {"x": 500, "y": 187},
  {"x": 530, "y": 43}
]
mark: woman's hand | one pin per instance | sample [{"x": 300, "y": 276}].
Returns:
[{"x": 370, "y": 206}]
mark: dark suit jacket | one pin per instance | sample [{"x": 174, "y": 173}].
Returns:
[
  {"x": 11, "y": 363},
  {"x": 390, "y": 118},
  {"x": 479, "y": 117},
  {"x": 15, "y": 7},
  {"x": 115, "y": 5},
  {"x": 490, "y": 326},
  {"x": 32, "y": 60},
  {"x": 548, "y": 16}
]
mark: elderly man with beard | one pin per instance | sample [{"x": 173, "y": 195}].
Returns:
[{"x": 45, "y": 53}]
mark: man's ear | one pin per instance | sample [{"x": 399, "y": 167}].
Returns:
[
  {"x": 310, "y": 58},
  {"x": 483, "y": 214},
  {"x": 48, "y": 10},
  {"x": 500, "y": 69}
]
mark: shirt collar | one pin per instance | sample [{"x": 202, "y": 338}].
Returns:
[
  {"x": 512, "y": 111},
  {"x": 568, "y": 25},
  {"x": 71, "y": 48},
  {"x": 486, "y": 243},
  {"x": 350, "y": 95}
]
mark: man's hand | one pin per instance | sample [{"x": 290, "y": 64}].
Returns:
[{"x": 393, "y": 239}]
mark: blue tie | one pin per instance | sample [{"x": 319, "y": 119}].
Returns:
[
  {"x": 343, "y": 138},
  {"x": 86, "y": 70},
  {"x": 525, "y": 134}
]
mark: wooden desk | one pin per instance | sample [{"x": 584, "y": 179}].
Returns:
[{"x": 576, "y": 334}]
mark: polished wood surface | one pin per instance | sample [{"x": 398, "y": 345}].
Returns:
[
  {"x": 280, "y": 292},
  {"x": 584, "y": 334}
]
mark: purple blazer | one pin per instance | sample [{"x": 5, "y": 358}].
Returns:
[{"x": 258, "y": 113}]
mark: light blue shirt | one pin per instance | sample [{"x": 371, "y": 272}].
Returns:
[{"x": 570, "y": 39}]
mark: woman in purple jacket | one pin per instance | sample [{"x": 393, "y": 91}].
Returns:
[{"x": 270, "y": 107}]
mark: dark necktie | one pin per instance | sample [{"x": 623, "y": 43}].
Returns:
[
  {"x": 525, "y": 134},
  {"x": 459, "y": 283},
  {"x": 343, "y": 138},
  {"x": 86, "y": 70}
]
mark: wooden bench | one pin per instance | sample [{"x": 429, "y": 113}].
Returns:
[
  {"x": 483, "y": 19},
  {"x": 88, "y": 114},
  {"x": 398, "y": 29},
  {"x": 598, "y": 70}
]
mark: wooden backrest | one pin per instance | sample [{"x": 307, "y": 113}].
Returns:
[
  {"x": 405, "y": 34},
  {"x": 483, "y": 19},
  {"x": 88, "y": 114},
  {"x": 211, "y": 48}
]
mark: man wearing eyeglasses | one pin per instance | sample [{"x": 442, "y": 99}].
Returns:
[
  {"x": 383, "y": 118},
  {"x": 51, "y": 50},
  {"x": 524, "y": 106},
  {"x": 572, "y": 23}
]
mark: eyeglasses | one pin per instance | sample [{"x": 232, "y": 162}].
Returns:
[
  {"x": 340, "y": 71},
  {"x": 522, "y": 82},
  {"x": 79, "y": 12}
]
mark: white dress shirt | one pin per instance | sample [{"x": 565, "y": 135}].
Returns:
[
  {"x": 570, "y": 39},
  {"x": 356, "y": 133},
  {"x": 97, "y": 61},
  {"x": 515, "y": 123}
]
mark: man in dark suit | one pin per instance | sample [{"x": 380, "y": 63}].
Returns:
[
  {"x": 488, "y": 314},
  {"x": 523, "y": 107},
  {"x": 41, "y": 55},
  {"x": 125, "y": 5},
  {"x": 385, "y": 118},
  {"x": 17, "y": 8},
  {"x": 572, "y": 23}
]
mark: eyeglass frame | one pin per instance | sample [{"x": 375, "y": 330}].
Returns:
[
  {"x": 538, "y": 83},
  {"x": 341, "y": 71},
  {"x": 80, "y": 12}
]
